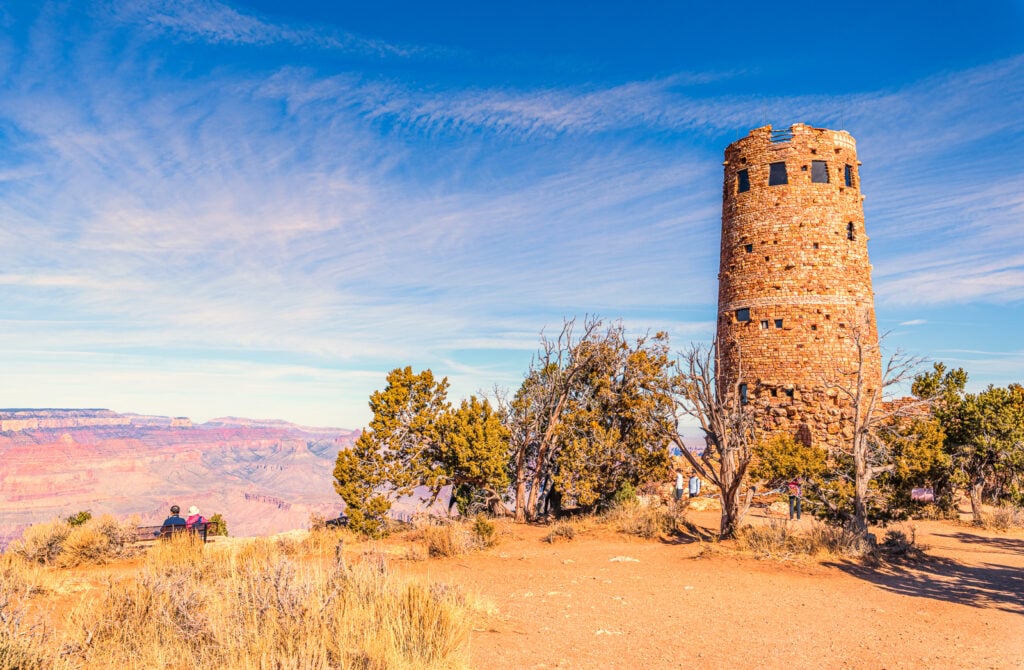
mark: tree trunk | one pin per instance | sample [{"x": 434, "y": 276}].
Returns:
[
  {"x": 861, "y": 478},
  {"x": 975, "y": 495},
  {"x": 733, "y": 507},
  {"x": 521, "y": 485},
  {"x": 547, "y": 446},
  {"x": 860, "y": 495}
]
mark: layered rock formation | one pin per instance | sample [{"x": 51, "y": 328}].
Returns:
[{"x": 263, "y": 476}]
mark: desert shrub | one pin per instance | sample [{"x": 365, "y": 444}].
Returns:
[
  {"x": 485, "y": 530},
  {"x": 84, "y": 545},
  {"x": 625, "y": 494},
  {"x": 317, "y": 522},
  {"x": 780, "y": 540},
  {"x": 449, "y": 539},
  {"x": 646, "y": 521},
  {"x": 217, "y": 526},
  {"x": 42, "y": 542},
  {"x": 934, "y": 512},
  {"x": 835, "y": 540},
  {"x": 898, "y": 542},
  {"x": 78, "y": 518},
  {"x": 561, "y": 530},
  {"x": 1003, "y": 518},
  {"x": 770, "y": 540},
  {"x": 97, "y": 541},
  {"x": 62, "y": 543}
]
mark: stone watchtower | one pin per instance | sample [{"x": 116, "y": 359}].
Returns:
[{"x": 794, "y": 279}]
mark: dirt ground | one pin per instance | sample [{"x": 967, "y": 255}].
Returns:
[
  {"x": 607, "y": 600},
  {"x": 604, "y": 600}
]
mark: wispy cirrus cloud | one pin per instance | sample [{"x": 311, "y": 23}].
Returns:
[{"x": 216, "y": 22}]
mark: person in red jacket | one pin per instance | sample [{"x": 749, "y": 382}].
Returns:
[
  {"x": 795, "y": 497},
  {"x": 194, "y": 517}
]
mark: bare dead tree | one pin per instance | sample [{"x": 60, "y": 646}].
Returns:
[
  {"x": 728, "y": 427},
  {"x": 536, "y": 412},
  {"x": 870, "y": 416}
]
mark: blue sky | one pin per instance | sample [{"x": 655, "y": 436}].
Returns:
[{"x": 259, "y": 208}]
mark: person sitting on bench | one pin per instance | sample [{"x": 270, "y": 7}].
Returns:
[{"x": 174, "y": 523}]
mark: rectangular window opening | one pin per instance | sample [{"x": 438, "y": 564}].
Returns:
[
  {"x": 775, "y": 393},
  {"x": 749, "y": 248},
  {"x": 815, "y": 245},
  {"x": 778, "y": 323},
  {"x": 819, "y": 172},
  {"x": 848, "y": 175},
  {"x": 814, "y": 326},
  {"x": 764, "y": 325},
  {"x": 742, "y": 181},
  {"x": 743, "y": 394},
  {"x": 789, "y": 393},
  {"x": 743, "y": 314},
  {"x": 849, "y": 231},
  {"x": 777, "y": 174}
]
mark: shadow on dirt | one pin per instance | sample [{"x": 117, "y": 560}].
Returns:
[
  {"x": 1003, "y": 545},
  {"x": 985, "y": 586},
  {"x": 688, "y": 532}
]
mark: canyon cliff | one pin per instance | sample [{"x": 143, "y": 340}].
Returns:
[{"x": 262, "y": 476}]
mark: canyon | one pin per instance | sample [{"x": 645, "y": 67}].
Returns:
[{"x": 262, "y": 476}]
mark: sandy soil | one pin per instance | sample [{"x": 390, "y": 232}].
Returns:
[{"x": 607, "y": 601}]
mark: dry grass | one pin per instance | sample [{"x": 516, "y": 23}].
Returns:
[
  {"x": 21, "y": 640},
  {"x": 448, "y": 539},
  {"x": 646, "y": 521},
  {"x": 1003, "y": 518},
  {"x": 780, "y": 540},
  {"x": 563, "y": 531},
  {"x": 259, "y": 604}
]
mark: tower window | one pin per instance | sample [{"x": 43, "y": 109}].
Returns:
[
  {"x": 777, "y": 174},
  {"x": 743, "y": 394},
  {"x": 749, "y": 248},
  {"x": 764, "y": 325},
  {"x": 815, "y": 245},
  {"x": 814, "y": 326},
  {"x": 775, "y": 393},
  {"x": 849, "y": 231},
  {"x": 848, "y": 175},
  {"x": 789, "y": 393},
  {"x": 742, "y": 181},
  {"x": 778, "y": 323},
  {"x": 819, "y": 172},
  {"x": 743, "y": 314}
]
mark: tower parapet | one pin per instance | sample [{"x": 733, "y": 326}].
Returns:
[{"x": 794, "y": 278}]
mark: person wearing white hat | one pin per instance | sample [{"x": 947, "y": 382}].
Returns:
[{"x": 194, "y": 517}]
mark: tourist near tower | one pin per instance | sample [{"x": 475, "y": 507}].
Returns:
[{"x": 794, "y": 283}]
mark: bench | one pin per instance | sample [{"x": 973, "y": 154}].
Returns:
[{"x": 162, "y": 532}]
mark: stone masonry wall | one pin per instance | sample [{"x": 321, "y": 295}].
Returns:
[{"x": 795, "y": 257}]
